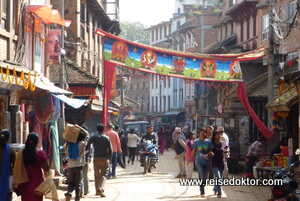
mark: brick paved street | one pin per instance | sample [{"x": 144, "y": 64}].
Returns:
[{"x": 131, "y": 184}]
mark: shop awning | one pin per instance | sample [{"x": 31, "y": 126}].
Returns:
[
  {"x": 73, "y": 102},
  {"x": 48, "y": 15},
  {"x": 173, "y": 113},
  {"x": 45, "y": 84}
]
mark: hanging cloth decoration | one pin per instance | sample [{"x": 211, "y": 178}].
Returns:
[
  {"x": 166, "y": 62},
  {"x": 184, "y": 65},
  {"x": 242, "y": 95}
]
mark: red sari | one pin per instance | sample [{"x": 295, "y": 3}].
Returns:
[
  {"x": 35, "y": 176},
  {"x": 162, "y": 142}
]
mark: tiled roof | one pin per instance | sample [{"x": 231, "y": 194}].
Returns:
[
  {"x": 284, "y": 101},
  {"x": 187, "y": 24},
  {"x": 74, "y": 75}
]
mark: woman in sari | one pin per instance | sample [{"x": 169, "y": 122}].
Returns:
[
  {"x": 162, "y": 141},
  {"x": 7, "y": 160},
  {"x": 29, "y": 169}
]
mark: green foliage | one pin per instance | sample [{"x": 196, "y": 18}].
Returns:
[
  {"x": 198, "y": 6},
  {"x": 135, "y": 32},
  {"x": 164, "y": 70},
  {"x": 217, "y": 11},
  {"x": 107, "y": 56},
  {"x": 221, "y": 75},
  {"x": 133, "y": 63},
  {"x": 191, "y": 73}
]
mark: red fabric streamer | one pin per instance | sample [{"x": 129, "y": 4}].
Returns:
[
  {"x": 290, "y": 63},
  {"x": 242, "y": 95},
  {"x": 109, "y": 69}
]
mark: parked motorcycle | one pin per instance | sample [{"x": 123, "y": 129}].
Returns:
[
  {"x": 148, "y": 157},
  {"x": 288, "y": 191}
]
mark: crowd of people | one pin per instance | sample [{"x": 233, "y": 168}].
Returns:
[
  {"x": 205, "y": 151},
  {"x": 208, "y": 153}
]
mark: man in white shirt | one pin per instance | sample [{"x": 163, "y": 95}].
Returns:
[
  {"x": 225, "y": 139},
  {"x": 224, "y": 136}
]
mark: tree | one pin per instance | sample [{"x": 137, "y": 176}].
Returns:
[{"x": 135, "y": 32}]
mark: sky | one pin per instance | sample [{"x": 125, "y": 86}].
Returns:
[{"x": 147, "y": 12}]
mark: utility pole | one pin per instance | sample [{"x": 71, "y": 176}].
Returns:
[
  {"x": 62, "y": 72},
  {"x": 271, "y": 59},
  {"x": 122, "y": 102}
]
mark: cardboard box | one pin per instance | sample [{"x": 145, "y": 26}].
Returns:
[{"x": 71, "y": 133}]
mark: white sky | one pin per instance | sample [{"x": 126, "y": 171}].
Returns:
[{"x": 147, "y": 12}]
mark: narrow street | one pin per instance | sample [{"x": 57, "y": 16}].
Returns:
[{"x": 131, "y": 184}]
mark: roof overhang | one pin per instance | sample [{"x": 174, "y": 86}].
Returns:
[
  {"x": 237, "y": 12},
  {"x": 108, "y": 25},
  {"x": 283, "y": 102}
]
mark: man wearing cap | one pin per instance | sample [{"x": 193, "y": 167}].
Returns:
[
  {"x": 179, "y": 142},
  {"x": 225, "y": 139}
]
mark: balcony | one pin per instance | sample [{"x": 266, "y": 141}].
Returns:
[{"x": 242, "y": 11}]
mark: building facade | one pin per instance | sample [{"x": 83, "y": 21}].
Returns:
[{"x": 190, "y": 30}]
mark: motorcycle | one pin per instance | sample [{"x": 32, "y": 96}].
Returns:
[
  {"x": 288, "y": 191},
  {"x": 148, "y": 157}
]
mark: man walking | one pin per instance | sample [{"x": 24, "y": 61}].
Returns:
[
  {"x": 76, "y": 153},
  {"x": 102, "y": 155},
  {"x": 180, "y": 146},
  {"x": 225, "y": 139},
  {"x": 116, "y": 146}
]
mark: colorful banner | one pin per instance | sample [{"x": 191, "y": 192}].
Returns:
[
  {"x": 54, "y": 41},
  {"x": 109, "y": 70},
  {"x": 185, "y": 65}
]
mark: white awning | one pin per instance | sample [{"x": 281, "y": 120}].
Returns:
[
  {"x": 73, "y": 102},
  {"x": 45, "y": 84}
]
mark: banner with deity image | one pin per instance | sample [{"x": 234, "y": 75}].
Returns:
[
  {"x": 185, "y": 65},
  {"x": 54, "y": 43}
]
